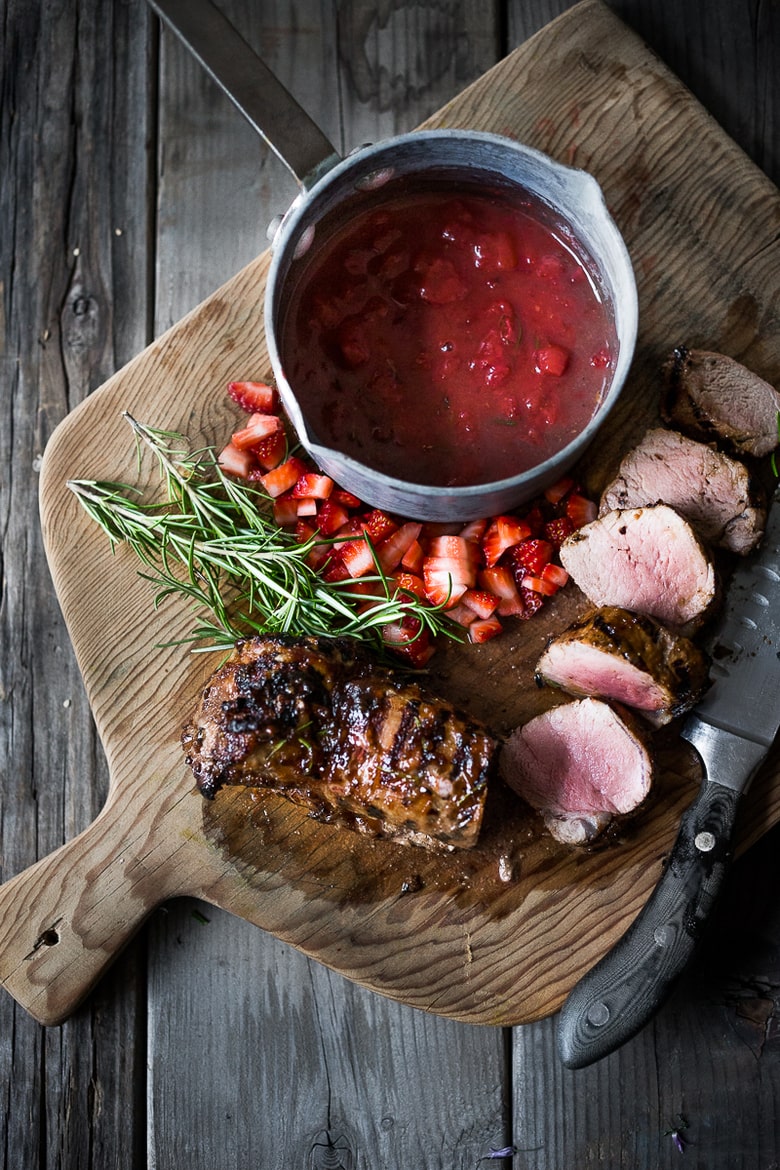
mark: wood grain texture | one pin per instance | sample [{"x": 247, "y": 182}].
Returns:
[{"x": 586, "y": 91}]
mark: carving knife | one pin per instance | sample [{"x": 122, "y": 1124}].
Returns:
[{"x": 732, "y": 729}]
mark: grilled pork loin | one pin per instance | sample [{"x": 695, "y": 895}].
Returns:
[
  {"x": 319, "y": 723},
  {"x": 579, "y": 765},
  {"x": 648, "y": 560},
  {"x": 611, "y": 653},
  {"x": 711, "y": 490},
  {"x": 711, "y": 396}
]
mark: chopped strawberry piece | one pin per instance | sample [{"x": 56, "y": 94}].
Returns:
[
  {"x": 454, "y": 546},
  {"x": 530, "y": 556},
  {"x": 539, "y": 585},
  {"x": 474, "y": 530},
  {"x": 285, "y": 510},
  {"x": 331, "y": 516},
  {"x": 408, "y": 639},
  {"x": 481, "y": 601},
  {"x": 555, "y": 575},
  {"x": 336, "y": 570},
  {"x": 580, "y": 510},
  {"x": 391, "y": 551},
  {"x": 378, "y": 525},
  {"x": 259, "y": 427},
  {"x": 270, "y": 452},
  {"x": 495, "y": 252},
  {"x": 304, "y": 531},
  {"x": 283, "y": 478},
  {"x": 310, "y": 484},
  {"x": 503, "y": 533},
  {"x": 551, "y": 359},
  {"x": 235, "y": 462},
  {"x": 461, "y": 614},
  {"x": 307, "y": 505},
  {"x": 557, "y": 530},
  {"x": 483, "y": 629},
  {"x": 346, "y": 499},
  {"x": 535, "y": 521},
  {"x": 500, "y": 581},
  {"x": 532, "y": 602},
  {"x": 411, "y": 583},
  {"x": 440, "y": 283},
  {"x": 253, "y": 396},
  {"x": 414, "y": 557},
  {"x": 558, "y": 490},
  {"x": 358, "y": 556},
  {"x": 441, "y": 588}
]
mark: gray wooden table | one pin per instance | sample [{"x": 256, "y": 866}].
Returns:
[{"x": 129, "y": 190}]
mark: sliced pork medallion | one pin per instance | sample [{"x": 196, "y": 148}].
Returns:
[
  {"x": 612, "y": 653},
  {"x": 580, "y": 765},
  {"x": 648, "y": 560},
  {"x": 711, "y": 396},
  {"x": 713, "y": 491},
  {"x": 318, "y": 722}
]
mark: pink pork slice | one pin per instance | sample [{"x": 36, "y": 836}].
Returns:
[
  {"x": 648, "y": 560},
  {"x": 580, "y": 765}
]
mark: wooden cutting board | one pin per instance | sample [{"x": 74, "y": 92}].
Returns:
[{"x": 498, "y": 935}]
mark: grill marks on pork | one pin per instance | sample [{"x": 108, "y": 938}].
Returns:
[
  {"x": 580, "y": 765},
  {"x": 628, "y": 658},
  {"x": 318, "y": 722},
  {"x": 648, "y": 560},
  {"x": 711, "y": 396},
  {"x": 712, "y": 491}
]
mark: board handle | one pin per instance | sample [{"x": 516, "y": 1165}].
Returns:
[{"x": 64, "y": 920}]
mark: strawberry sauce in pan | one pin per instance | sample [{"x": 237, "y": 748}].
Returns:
[{"x": 449, "y": 339}]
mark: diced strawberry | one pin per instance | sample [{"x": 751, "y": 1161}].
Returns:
[
  {"x": 483, "y": 629},
  {"x": 551, "y": 359},
  {"x": 481, "y": 602},
  {"x": 259, "y": 427},
  {"x": 331, "y": 516},
  {"x": 440, "y": 284},
  {"x": 580, "y": 510},
  {"x": 555, "y": 575},
  {"x": 539, "y": 585},
  {"x": 557, "y": 530},
  {"x": 283, "y": 478},
  {"x": 503, "y": 533},
  {"x": 310, "y": 484},
  {"x": 336, "y": 570},
  {"x": 321, "y": 554},
  {"x": 440, "y": 585},
  {"x": 500, "y": 581},
  {"x": 462, "y": 569},
  {"x": 414, "y": 557},
  {"x": 378, "y": 525},
  {"x": 253, "y": 397},
  {"x": 461, "y": 614},
  {"x": 558, "y": 490},
  {"x": 307, "y": 505},
  {"x": 408, "y": 639},
  {"x": 454, "y": 546},
  {"x": 358, "y": 556},
  {"x": 530, "y": 556},
  {"x": 270, "y": 452},
  {"x": 346, "y": 499},
  {"x": 304, "y": 531},
  {"x": 235, "y": 462},
  {"x": 285, "y": 510},
  {"x": 411, "y": 583},
  {"x": 495, "y": 252},
  {"x": 535, "y": 521},
  {"x": 474, "y": 530},
  {"x": 391, "y": 551},
  {"x": 532, "y": 602}
]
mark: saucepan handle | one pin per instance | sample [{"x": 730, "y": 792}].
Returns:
[
  {"x": 251, "y": 86},
  {"x": 621, "y": 993}
]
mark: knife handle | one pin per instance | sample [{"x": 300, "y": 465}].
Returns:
[{"x": 622, "y": 992}]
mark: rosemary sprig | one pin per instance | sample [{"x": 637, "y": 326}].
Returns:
[{"x": 213, "y": 540}]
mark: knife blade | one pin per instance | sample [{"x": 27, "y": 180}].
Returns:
[{"x": 732, "y": 728}]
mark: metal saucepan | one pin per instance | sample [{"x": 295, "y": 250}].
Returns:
[{"x": 330, "y": 183}]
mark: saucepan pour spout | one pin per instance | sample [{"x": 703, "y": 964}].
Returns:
[{"x": 252, "y": 87}]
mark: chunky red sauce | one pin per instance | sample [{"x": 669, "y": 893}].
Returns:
[{"x": 448, "y": 339}]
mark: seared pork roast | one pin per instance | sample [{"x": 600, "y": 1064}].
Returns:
[
  {"x": 317, "y": 721},
  {"x": 648, "y": 560},
  {"x": 580, "y": 765},
  {"x": 711, "y": 490},
  {"x": 611, "y": 653},
  {"x": 711, "y": 396}
]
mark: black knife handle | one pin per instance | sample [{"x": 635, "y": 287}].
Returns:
[{"x": 621, "y": 993}]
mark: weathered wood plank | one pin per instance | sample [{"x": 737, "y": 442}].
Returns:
[
  {"x": 73, "y": 279},
  {"x": 323, "y": 1069}
]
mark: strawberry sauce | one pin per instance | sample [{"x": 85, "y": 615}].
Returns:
[{"x": 449, "y": 340}]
